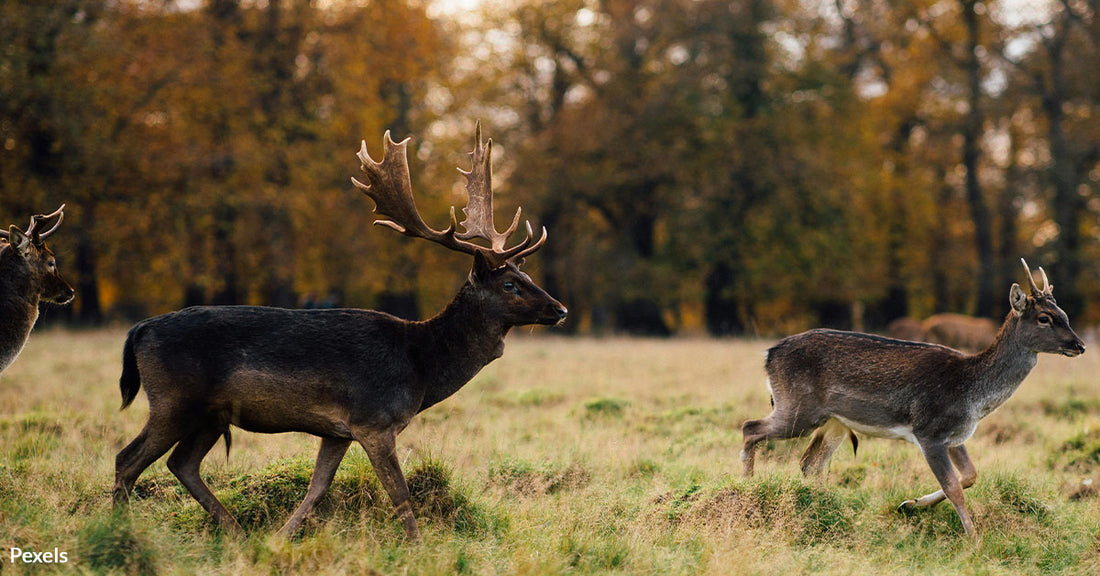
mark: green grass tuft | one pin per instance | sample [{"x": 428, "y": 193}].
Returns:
[
  {"x": 1081, "y": 452},
  {"x": 527, "y": 479},
  {"x": 605, "y": 408},
  {"x": 262, "y": 501},
  {"x": 435, "y": 498},
  {"x": 30, "y": 436},
  {"x": 804, "y": 513},
  {"x": 1019, "y": 496},
  {"x": 594, "y": 555},
  {"x": 113, "y": 544},
  {"x": 1069, "y": 408},
  {"x": 644, "y": 468}
]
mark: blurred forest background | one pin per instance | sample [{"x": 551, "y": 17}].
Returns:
[{"x": 735, "y": 167}]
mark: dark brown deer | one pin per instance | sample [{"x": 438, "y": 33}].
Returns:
[
  {"x": 933, "y": 396},
  {"x": 28, "y": 274},
  {"x": 344, "y": 375}
]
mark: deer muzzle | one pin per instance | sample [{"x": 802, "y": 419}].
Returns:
[
  {"x": 554, "y": 314},
  {"x": 1075, "y": 348}
]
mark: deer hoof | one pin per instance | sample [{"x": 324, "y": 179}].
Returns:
[
  {"x": 907, "y": 506},
  {"x": 412, "y": 533},
  {"x": 287, "y": 532}
]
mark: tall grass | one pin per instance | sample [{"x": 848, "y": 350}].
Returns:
[{"x": 565, "y": 456}]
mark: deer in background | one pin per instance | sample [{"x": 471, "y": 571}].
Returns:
[
  {"x": 343, "y": 375},
  {"x": 831, "y": 382},
  {"x": 28, "y": 274},
  {"x": 959, "y": 331}
]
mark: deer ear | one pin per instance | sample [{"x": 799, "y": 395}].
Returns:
[
  {"x": 1018, "y": 299},
  {"x": 20, "y": 241},
  {"x": 482, "y": 267}
]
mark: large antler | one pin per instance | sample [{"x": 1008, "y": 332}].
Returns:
[
  {"x": 32, "y": 230},
  {"x": 1035, "y": 291},
  {"x": 390, "y": 187}
]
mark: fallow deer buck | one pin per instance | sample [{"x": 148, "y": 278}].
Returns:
[
  {"x": 28, "y": 274},
  {"x": 834, "y": 382},
  {"x": 343, "y": 375}
]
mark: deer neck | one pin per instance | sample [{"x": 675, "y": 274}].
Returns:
[
  {"x": 457, "y": 344},
  {"x": 18, "y": 309},
  {"x": 1001, "y": 368}
]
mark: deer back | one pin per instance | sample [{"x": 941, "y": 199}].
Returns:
[{"x": 874, "y": 379}]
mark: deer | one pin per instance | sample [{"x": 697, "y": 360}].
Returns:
[
  {"x": 959, "y": 331},
  {"x": 835, "y": 383},
  {"x": 28, "y": 275},
  {"x": 344, "y": 375}
]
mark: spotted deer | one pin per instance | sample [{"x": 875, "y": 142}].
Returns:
[
  {"x": 832, "y": 383},
  {"x": 28, "y": 275},
  {"x": 345, "y": 375}
]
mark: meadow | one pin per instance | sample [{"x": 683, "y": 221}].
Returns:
[{"x": 566, "y": 456}]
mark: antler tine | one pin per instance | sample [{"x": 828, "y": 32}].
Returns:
[
  {"x": 1030, "y": 278},
  {"x": 479, "y": 206},
  {"x": 60, "y": 213},
  {"x": 533, "y": 247},
  {"x": 35, "y": 220},
  {"x": 1048, "y": 288},
  {"x": 390, "y": 186},
  {"x": 479, "y": 193}
]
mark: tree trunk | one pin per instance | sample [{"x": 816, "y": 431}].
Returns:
[
  {"x": 1068, "y": 205},
  {"x": 88, "y": 283},
  {"x": 972, "y": 135}
]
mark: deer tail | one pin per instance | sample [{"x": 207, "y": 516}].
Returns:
[
  {"x": 130, "y": 381},
  {"x": 228, "y": 441},
  {"x": 855, "y": 442}
]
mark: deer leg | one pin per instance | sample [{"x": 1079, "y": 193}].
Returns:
[
  {"x": 968, "y": 474},
  {"x": 961, "y": 460},
  {"x": 328, "y": 460},
  {"x": 152, "y": 443},
  {"x": 381, "y": 449},
  {"x": 940, "y": 459},
  {"x": 825, "y": 442},
  {"x": 778, "y": 425},
  {"x": 184, "y": 463}
]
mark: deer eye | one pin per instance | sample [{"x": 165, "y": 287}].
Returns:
[
  {"x": 511, "y": 287},
  {"x": 1044, "y": 319}
]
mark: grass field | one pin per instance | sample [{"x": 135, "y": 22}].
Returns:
[{"x": 566, "y": 456}]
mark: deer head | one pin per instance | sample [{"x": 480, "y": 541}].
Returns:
[
  {"x": 507, "y": 292},
  {"x": 29, "y": 248},
  {"x": 1040, "y": 322}
]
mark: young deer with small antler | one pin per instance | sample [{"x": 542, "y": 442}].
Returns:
[
  {"x": 344, "y": 375},
  {"x": 835, "y": 382},
  {"x": 28, "y": 274}
]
